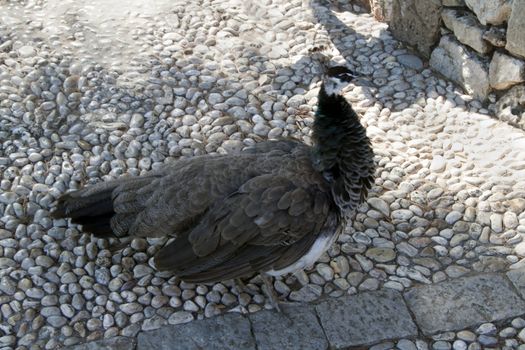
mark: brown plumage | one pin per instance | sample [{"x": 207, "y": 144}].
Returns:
[{"x": 272, "y": 208}]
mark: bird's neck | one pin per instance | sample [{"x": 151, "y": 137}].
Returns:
[{"x": 342, "y": 151}]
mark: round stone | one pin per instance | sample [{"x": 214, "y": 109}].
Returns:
[
  {"x": 507, "y": 332},
  {"x": 26, "y": 51},
  {"x": 453, "y": 217},
  {"x": 518, "y": 323},
  {"x": 56, "y": 321},
  {"x": 410, "y": 61},
  {"x": 438, "y": 164},
  {"x": 402, "y": 214},
  {"x": 459, "y": 345},
  {"x": 381, "y": 255},
  {"x": 380, "y": 205},
  {"x": 521, "y": 335},
  {"x": 180, "y": 317},
  {"x": 441, "y": 345},
  {"x": 325, "y": 271},
  {"x": 486, "y": 328},
  {"x": 519, "y": 249},
  {"x": 405, "y": 344},
  {"x": 261, "y": 129}
]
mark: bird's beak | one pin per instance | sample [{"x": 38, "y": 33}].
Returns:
[{"x": 362, "y": 80}]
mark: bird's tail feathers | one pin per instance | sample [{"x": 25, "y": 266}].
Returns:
[{"x": 92, "y": 207}]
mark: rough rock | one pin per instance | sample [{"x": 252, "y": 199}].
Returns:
[
  {"x": 382, "y": 9},
  {"x": 511, "y": 106},
  {"x": 515, "y": 29},
  {"x": 410, "y": 61},
  {"x": 415, "y": 22},
  {"x": 490, "y": 12},
  {"x": 466, "y": 29},
  {"x": 462, "y": 66},
  {"x": 365, "y": 4},
  {"x": 495, "y": 36},
  {"x": 505, "y": 71}
]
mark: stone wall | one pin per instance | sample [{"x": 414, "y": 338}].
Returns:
[{"x": 479, "y": 44}]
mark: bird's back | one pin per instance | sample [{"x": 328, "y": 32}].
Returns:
[{"x": 232, "y": 214}]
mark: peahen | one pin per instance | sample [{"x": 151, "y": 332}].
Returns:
[{"x": 273, "y": 208}]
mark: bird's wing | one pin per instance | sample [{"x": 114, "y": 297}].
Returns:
[
  {"x": 160, "y": 203},
  {"x": 179, "y": 199},
  {"x": 282, "y": 146},
  {"x": 249, "y": 230}
]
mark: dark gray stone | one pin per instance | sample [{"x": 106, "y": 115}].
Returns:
[
  {"x": 417, "y": 23},
  {"x": 464, "y": 302},
  {"x": 496, "y": 36},
  {"x": 510, "y": 108},
  {"x": 294, "y": 328},
  {"x": 117, "y": 343},
  {"x": 517, "y": 277},
  {"x": 230, "y": 331},
  {"x": 365, "y": 319},
  {"x": 410, "y": 61}
]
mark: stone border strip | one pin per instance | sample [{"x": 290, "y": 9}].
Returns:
[
  {"x": 295, "y": 328},
  {"x": 366, "y": 318},
  {"x": 228, "y": 332},
  {"x": 464, "y": 302},
  {"x": 354, "y": 320}
]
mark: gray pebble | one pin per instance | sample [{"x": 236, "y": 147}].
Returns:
[
  {"x": 441, "y": 345},
  {"x": 459, "y": 345},
  {"x": 180, "y": 317}
]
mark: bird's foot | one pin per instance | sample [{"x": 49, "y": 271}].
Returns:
[
  {"x": 269, "y": 290},
  {"x": 120, "y": 244},
  {"x": 243, "y": 288}
]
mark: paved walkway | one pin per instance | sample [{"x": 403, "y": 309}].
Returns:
[{"x": 351, "y": 321}]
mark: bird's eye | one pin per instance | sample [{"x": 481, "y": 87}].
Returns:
[{"x": 345, "y": 76}]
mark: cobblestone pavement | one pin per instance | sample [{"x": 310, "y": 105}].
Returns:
[
  {"x": 461, "y": 313},
  {"x": 91, "y": 91}
]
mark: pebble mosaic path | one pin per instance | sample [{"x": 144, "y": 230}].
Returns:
[{"x": 90, "y": 91}]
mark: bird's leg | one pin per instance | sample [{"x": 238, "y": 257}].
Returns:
[
  {"x": 242, "y": 287},
  {"x": 270, "y": 291},
  {"x": 120, "y": 244}
]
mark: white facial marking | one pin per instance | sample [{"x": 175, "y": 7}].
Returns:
[{"x": 334, "y": 85}]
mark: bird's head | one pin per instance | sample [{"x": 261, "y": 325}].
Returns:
[{"x": 337, "y": 78}]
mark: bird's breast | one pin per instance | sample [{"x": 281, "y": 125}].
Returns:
[{"x": 326, "y": 238}]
